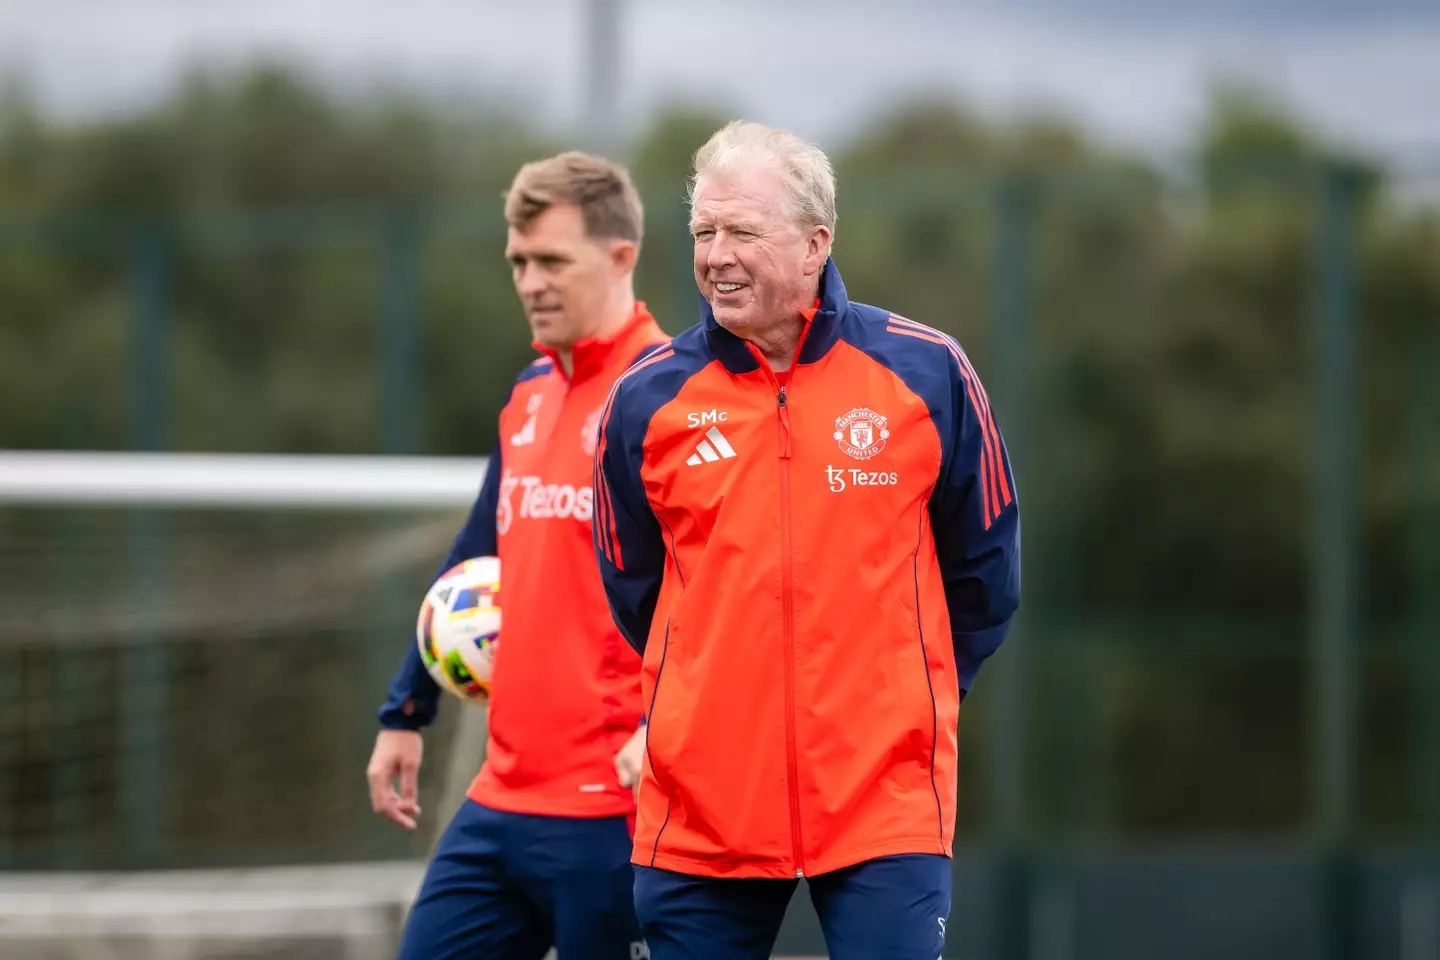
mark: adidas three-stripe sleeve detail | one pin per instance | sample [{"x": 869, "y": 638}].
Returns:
[
  {"x": 974, "y": 516},
  {"x": 976, "y": 525},
  {"x": 631, "y": 573}
]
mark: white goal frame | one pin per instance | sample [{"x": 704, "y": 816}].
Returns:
[
  {"x": 260, "y": 481},
  {"x": 266, "y": 482}
]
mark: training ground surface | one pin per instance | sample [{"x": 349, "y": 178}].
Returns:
[{"x": 338, "y": 912}]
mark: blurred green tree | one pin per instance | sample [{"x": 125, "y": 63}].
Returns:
[{"x": 1170, "y": 377}]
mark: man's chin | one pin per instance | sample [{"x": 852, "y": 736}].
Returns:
[
  {"x": 547, "y": 334},
  {"x": 735, "y": 319}
]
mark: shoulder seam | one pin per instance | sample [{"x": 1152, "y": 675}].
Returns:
[{"x": 605, "y": 504}]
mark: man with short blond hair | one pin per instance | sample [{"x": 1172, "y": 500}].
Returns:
[
  {"x": 806, "y": 523},
  {"x": 538, "y": 854},
  {"x": 601, "y": 190}
]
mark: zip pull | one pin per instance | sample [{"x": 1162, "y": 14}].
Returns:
[{"x": 784, "y": 426}]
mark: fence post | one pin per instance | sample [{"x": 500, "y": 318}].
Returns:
[
  {"x": 72, "y": 707},
  {"x": 1333, "y": 604},
  {"x": 1012, "y": 336},
  {"x": 144, "y": 701},
  {"x": 399, "y": 345},
  {"x": 602, "y": 83},
  {"x": 401, "y": 430},
  {"x": 1424, "y": 535},
  {"x": 686, "y": 308}
]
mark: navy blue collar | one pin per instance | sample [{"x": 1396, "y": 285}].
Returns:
[{"x": 824, "y": 329}]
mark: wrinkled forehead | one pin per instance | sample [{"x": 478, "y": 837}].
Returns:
[{"x": 751, "y": 196}]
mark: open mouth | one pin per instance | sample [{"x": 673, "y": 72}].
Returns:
[{"x": 728, "y": 287}]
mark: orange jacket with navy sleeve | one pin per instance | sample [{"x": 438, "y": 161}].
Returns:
[
  {"x": 813, "y": 574},
  {"x": 566, "y": 691}
]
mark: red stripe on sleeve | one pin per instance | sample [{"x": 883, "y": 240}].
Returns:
[
  {"x": 607, "y": 527},
  {"x": 991, "y": 470}
]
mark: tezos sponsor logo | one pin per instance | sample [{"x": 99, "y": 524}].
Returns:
[
  {"x": 842, "y": 478},
  {"x": 541, "y": 501}
]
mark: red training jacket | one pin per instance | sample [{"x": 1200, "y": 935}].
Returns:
[
  {"x": 814, "y": 568},
  {"x": 566, "y": 688}
]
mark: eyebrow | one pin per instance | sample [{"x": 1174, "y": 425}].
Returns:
[
  {"x": 738, "y": 224},
  {"x": 514, "y": 256}
]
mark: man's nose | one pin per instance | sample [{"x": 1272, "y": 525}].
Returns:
[
  {"x": 531, "y": 280},
  {"x": 721, "y": 252}
]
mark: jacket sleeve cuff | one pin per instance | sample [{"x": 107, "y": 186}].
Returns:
[{"x": 405, "y": 715}]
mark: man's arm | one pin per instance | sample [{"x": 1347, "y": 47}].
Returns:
[
  {"x": 628, "y": 541},
  {"x": 414, "y": 696},
  {"x": 976, "y": 520}
]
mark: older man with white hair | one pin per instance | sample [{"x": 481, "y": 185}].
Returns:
[{"x": 806, "y": 523}]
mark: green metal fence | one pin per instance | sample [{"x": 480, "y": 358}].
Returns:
[{"x": 1106, "y": 732}]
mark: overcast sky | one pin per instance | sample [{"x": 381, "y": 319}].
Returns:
[{"x": 1366, "y": 73}]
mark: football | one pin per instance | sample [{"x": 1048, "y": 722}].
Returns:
[{"x": 458, "y": 627}]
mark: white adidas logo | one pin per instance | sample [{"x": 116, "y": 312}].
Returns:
[
  {"x": 706, "y": 449},
  {"x": 525, "y": 435}
]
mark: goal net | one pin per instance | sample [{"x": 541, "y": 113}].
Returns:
[{"x": 193, "y": 650}]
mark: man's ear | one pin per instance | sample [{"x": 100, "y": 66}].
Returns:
[
  {"x": 817, "y": 250},
  {"x": 624, "y": 254}
]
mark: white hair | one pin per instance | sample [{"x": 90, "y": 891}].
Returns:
[{"x": 804, "y": 168}]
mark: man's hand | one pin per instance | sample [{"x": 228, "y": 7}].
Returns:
[
  {"x": 397, "y": 754},
  {"x": 631, "y": 759}
]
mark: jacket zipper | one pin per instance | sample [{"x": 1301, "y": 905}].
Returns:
[
  {"x": 788, "y": 605},
  {"x": 787, "y": 579}
]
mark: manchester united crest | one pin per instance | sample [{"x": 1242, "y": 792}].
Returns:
[
  {"x": 861, "y": 433},
  {"x": 591, "y": 430}
]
